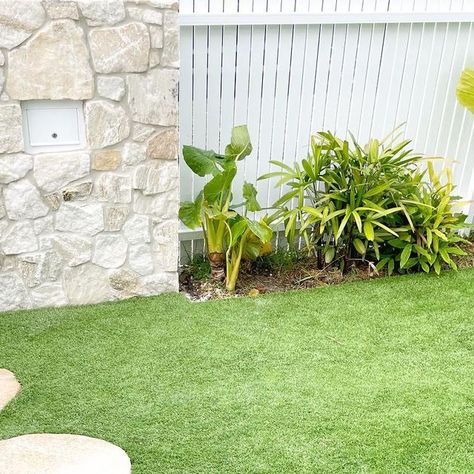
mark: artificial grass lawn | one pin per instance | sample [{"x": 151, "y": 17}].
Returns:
[{"x": 366, "y": 377}]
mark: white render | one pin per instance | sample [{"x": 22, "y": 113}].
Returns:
[{"x": 98, "y": 223}]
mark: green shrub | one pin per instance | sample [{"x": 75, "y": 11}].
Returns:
[{"x": 351, "y": 202}]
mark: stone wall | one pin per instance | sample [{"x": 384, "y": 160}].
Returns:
[{"x": 101, "y": 223}]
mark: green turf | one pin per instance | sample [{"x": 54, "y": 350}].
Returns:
[{"x": 370, "y": 377}]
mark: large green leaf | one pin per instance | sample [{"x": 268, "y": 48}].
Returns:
[
  {"x": 465, "y": 89},
  {"x": 190, "y": 212},
  {"x": 240, "y": 145},
  {"x": 202, "y": 162},
  {"x": 261, "y": 230},
  {"x": 218, "y": 184},
  {"x": 250, "y": 196}
]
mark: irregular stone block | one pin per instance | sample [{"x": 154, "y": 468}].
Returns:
[
  {"x": 54, "y": 200},
  {"x": 114, "y": 188},
  {"x": 156, "y": 36},
  {"x": 172, "y": 4},
  {"x": 13, "y": 294},
  {"x": 19, "y": 238},
  {"x": 3, "y": 211},
  {"x": 54, "y": 64},
  {"x": 74, "y": 249},
  {"x": 49, "y": 295},
  {"x": 11, "y": 132},
  {"x": 60, "y": 9},
  {"x": 164, "y": 145},
  {"x": 13, "y": 167},
  {"x": 87, "y": 284},
  {"x": 54, "y": 170},
  {"x": 84, "y": 219},
  {"x": 160, "y": 283},
  {"x": 106, "y": 123},
  {"x": 140, "y": 132},
  {"x": 23, "y": 201},
  {"x": 153, "y": 97},
  {"x": 155, "y": 58},
  {"x": 161, "y": 177},
  {"x": 114, "y": 217},
  {"x": 102, "y": 12},
  {"x": 40, "y": 267},
  {"x": 170, "y": 56},
  {"x": 120, "y": 49},
  {"x": 166, "y": 246},
  {"x": 124, "y": 281},
  {"x": 146, "y": 15},
  {"x": 110, "y": 251},
  {"x": 133, "y": 153},
  {"x": 77, "y": 192},
  {"x": 163, "y": 206},
  {"x": 140, "y": 259},
  {"x": 111, "y": 87},
  {"x": 44, "y": 225},
  {"x": 107, "y": 160},
  {"x": 137, "y": 229},
  {"x": 2, "y": 80},
  {"x": 18, "y": 20}
]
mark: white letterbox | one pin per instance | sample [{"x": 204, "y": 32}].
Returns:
[{"x": 53, "y": 125}]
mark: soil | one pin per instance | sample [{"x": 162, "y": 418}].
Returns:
[{"x": 256, "y": 279}]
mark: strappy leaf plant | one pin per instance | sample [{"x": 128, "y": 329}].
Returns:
[
  {"x": 342, "y": 196},
  {"x": 350, "y": 202},
  {"x": 428, "y": 234}
]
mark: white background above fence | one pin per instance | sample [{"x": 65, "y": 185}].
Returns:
[{"x": 288, "y": 80}]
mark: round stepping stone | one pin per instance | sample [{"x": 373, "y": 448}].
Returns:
[
  {"x": 61, "y": 454},
  {"x": 9, "y": 387}
]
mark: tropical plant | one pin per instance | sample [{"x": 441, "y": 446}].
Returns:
[
  {"x": 371, "y": 203},
  {"x": 342, "y": 197},
  {"x": 212, "y": 206},
  {"x": 428, "y": 234},
  {"x": 230, "y": 236},
  {"x": 465, "y": 89}
]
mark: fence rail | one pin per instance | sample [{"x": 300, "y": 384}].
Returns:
[
  {"x": 341, "y": 18},
  {"x": 364, "y": 68}
]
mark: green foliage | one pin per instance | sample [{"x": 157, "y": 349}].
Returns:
[
  {"x": 280, "y": 260},
  {"x": 199, "y": 267},
  {"x": 246, "y": 237},
  {"x": 227, "y": 232},
  {"x": 465, "y": 89},
  {"x": 428, "y": 229},
  {"x": 353, "y": 202}
]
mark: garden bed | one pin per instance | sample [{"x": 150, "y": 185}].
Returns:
[{"x": 283, "y": 271}]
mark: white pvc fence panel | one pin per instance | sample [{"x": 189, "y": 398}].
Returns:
[{"x": 290, "y": 68}]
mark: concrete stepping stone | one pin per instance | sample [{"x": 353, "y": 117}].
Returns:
[
  {"x": 61, "y": 454},
  {"x": 9, "y": 387}
]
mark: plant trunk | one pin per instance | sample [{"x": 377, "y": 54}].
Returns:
[{"x": 216, "y": 260}]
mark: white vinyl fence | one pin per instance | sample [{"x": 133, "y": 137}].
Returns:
[{"x": 289, "y": 68}]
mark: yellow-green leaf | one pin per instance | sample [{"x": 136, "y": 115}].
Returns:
[{"x": 369, "y": 230}]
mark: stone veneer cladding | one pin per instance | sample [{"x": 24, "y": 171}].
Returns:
[{"x": 97, "y": 224}]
